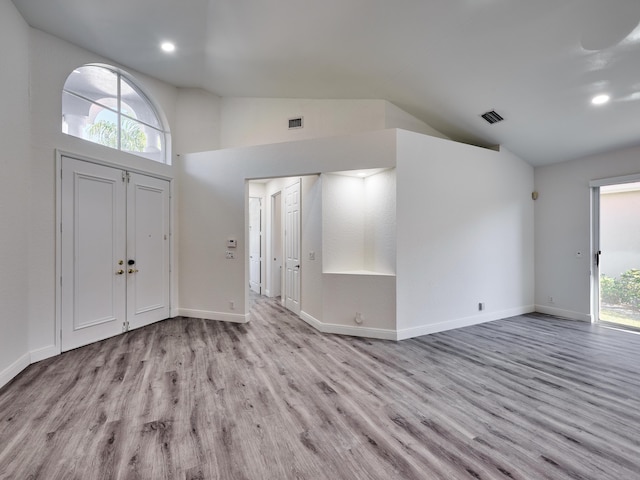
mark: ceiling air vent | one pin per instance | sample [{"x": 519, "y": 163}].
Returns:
[
  {"x": 295, "y": 123},
  {"x": 492, "y": 117}
]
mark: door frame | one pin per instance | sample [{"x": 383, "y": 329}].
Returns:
[
  {"x": 595, "y": 236},
  {"x": 56, "y": 349}
]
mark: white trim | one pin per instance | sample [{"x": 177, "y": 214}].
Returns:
[
  {"x": 462, "y": 322},
  {"x": 14, "y": 369},
  {"x": 603, "y": 182},
  {"x": 44, "y": 353},
  {"x": 558, "y": 312},
  {"x": 209, "y": 315},
  {"x": 112, "y": 164},
  {"x": 380, "y": 333},
  {"x": 594, "y": 267}
]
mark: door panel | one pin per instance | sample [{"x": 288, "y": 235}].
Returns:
[
  {"x": 110, "y": 218},
  {"x": 292, "y": 247},
  {"x": 147, "y": 246},
  {"x": 255, "y": 244},
  {"x": 93, "y": 244}
]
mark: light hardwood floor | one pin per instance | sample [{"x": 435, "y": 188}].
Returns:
[{"x": 531, "y": 397}]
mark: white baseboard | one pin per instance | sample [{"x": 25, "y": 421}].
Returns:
[
  {"x": 367, "y": 332},
  {"x": 44, "y": 353},
  {"x": 558, "y": 312},
  {"x": 462, "y": 322},
  {"x": 14, "y": 369},
  {"x": 209, "y": 315}
]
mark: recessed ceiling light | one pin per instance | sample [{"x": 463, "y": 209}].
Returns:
[
  {"x": 600, "y": 99},
  {"x": 168, "y": 47}
]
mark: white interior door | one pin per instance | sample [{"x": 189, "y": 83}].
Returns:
[
  {"x": 255, "y": 244},
  {"x": 147, "y": 250},
  {"x": 93, "y": 250},
  {"x": 276, "y": 245},
  {"x": 292, "y": 247},
  {"x": 114, "y": 251}
]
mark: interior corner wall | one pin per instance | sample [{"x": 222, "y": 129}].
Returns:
[
  {"x": 395, "y": 117},
  {"x": 465, "y": 235},
  {"x": 197, "y": 124},
  {"x": 14, "y": 191},
  {"x": 563, "y": 227},
  {"x": 260, "y": 121},
  {"x": 51, "y": 61}
]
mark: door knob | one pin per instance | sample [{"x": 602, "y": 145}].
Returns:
[
  {"x": 133, "y": 270},
  {"x": 120, "y": 272}
]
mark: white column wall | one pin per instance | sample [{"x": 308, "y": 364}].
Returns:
[{"x": 465, "y": 235}]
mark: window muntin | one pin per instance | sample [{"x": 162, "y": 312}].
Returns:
[{"x": 104, "y": 106}]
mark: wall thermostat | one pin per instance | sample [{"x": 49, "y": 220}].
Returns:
[{"x": 232, "y": 243}]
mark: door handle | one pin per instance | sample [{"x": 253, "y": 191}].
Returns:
[
  {"x": 598, "y": 253},
  {"x": 133, "y": 270},
  {"x": 120, "y": 272},
  {"x": 297, "y": 266}
]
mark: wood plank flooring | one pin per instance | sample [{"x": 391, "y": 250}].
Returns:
[{"x": 531, "y": 397}]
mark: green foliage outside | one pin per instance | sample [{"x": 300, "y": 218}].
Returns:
[
  {"x": 624, "y": 290},
  {"x": 132, "y": 137}
]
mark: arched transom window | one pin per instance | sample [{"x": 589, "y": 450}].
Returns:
[{"x": 103, "y": 105}]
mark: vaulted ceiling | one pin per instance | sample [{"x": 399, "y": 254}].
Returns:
[{"x": 537, "y": 63}]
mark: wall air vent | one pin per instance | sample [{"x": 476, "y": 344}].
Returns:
[
  {"x": 492, "y": 117},
  {"x": 295, "y": 123}
]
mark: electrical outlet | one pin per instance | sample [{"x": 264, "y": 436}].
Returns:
[
  {"x": 359, "y": 318},
  {"x": 480, "y": 306},
  {"x": 312, "y": 255},
  {"x": 232, "y": 305},
  {"x": 550, "y": 299}
]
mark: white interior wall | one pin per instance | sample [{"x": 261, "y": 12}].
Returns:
[
  {"x": 14, "y": 192},
  {"x": 380, "y": 222},
  {"x": 359, "y": 226},
  {"x": 259, "y": 121},
  {"x": 311, "y": 282},
  {"x": 343, "y": 223},
  {"x": 217, "y": 179},
  {"x": 465, "y": 234},
  {"x": 563, "y": 227},
  {"x": 395, "y": 117},
  {"x": 197, "y": 121}
]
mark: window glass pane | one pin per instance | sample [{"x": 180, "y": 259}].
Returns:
[
  {"x": 88, "y": 120},
  {"x": 94, "y": 83},
  {"x": 92, "y": 110},
  {"x": 142, "y": 139},
  {"x": 136, "y": 105}
]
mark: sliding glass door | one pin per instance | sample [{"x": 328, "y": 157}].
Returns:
[{"x": 617, "y": 254}]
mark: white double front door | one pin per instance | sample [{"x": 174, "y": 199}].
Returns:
[{"x": 114, "y": 251}]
